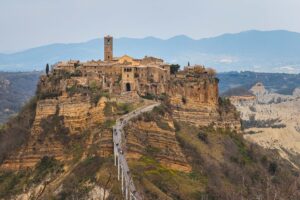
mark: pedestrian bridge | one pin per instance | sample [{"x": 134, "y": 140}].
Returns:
[{"x": 127, "y": 186}]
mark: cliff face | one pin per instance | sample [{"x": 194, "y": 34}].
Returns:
[
  {"x": 196, "y": 101},
  {"x": 158, "y": 139},
  {"x": 65, "y": 117}
]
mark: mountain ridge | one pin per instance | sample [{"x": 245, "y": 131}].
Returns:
[{"x": 253, "y": 50}]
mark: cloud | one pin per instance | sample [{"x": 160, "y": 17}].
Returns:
[
  {"x": 226, "y": 61},
  {"x": 289, "y": 69},
  {"x": 255, "y": 67}
]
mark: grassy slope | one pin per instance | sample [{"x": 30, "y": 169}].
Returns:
[{"x": 235, "y": 168}]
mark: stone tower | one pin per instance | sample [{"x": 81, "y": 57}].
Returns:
[{"x": 108, "y": 48}]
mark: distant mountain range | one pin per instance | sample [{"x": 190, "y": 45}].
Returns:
[
  {"x": 268, "y": 51},
  {"x": 242, "y": 81}
]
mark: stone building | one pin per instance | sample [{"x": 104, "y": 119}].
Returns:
[
  {"x": 126, "y": 75},
  {"x": 108, "y": 48},
  {"x": 120, "y": 74}
]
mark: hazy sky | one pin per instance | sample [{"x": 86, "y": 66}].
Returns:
[{"x": 30, "y": 23}]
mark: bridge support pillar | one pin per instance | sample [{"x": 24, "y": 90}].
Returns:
[
  {"x": 115, "y": 155},
  {"x": 122, "y": 179},
  {"x": 118, "y": 168}
]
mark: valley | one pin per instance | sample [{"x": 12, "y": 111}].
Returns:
[{"x": 272, "y": 120}]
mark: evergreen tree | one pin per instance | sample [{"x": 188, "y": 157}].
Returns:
[
  {"x": 47, "y": 69},
  {"x": 174, "y": 68}
]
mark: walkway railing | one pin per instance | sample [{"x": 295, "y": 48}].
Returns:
[{"x": 124, "y": 175}]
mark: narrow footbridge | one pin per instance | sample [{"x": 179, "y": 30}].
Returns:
[{"x": 124, "y": 175}]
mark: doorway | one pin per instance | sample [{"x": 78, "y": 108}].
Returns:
[{"x": 128, "y": 87}]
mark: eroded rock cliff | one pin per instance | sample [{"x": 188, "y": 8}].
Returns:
[{"x": 157, "y": 138}]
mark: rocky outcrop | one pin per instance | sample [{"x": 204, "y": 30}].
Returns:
[
  {"x": 147, "y": 138},
  {"x": 66, "y": 115},
  {"x": 196, "y": 101}
]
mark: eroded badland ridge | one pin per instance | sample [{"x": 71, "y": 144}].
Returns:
[
  {"x": 61, "y": 145},
  {"x": 272, "y": 120}
]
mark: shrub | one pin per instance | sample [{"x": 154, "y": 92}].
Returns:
[
  {"x": 163, "y": 125},
  {"x": 149, "y": 96},
  {"x": 225, "y": 104},
  {"x": 17, "y": 129},
  {"x": 113, "y": 108},
  {"x": 160, "y": 110},
  {"x": 176, "y": 125},
  {"x": 72, "y": 90},
  {"x": 96, "y": 96},
  {"x": 152, "y": 150},
  {"x": 203, "y": 136},
  {"x": 109, "y": 123},
  {"x": 272, "y": 168},
  {"x": 76, "y": 186},
  {"x": 124, "y": 108},
  {"x": 47, "y": 165},
  {"x": 48, "y": 94},
  {"x": 242, "y": 148},
  {"x": 148, "y": 117},
  {"x": 12, "y": 183},
  {"x": 183, "y": 99},
  {"x": 53, "y": 125},
  {"x": 108, "y": 109}
]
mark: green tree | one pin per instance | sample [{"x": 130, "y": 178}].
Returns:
[
  {"x": 174, "y": 68},
  {"x": 47, "y": 69}
]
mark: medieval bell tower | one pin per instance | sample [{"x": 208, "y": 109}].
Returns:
[{"x": 108, "y": 48}]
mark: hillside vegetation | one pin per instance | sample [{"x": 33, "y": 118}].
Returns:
[{"x": 224, "y": 166}]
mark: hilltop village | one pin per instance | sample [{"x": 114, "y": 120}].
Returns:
[
  {"x": 122, "y": 75},
  {"x": 195, "y": 88}
]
